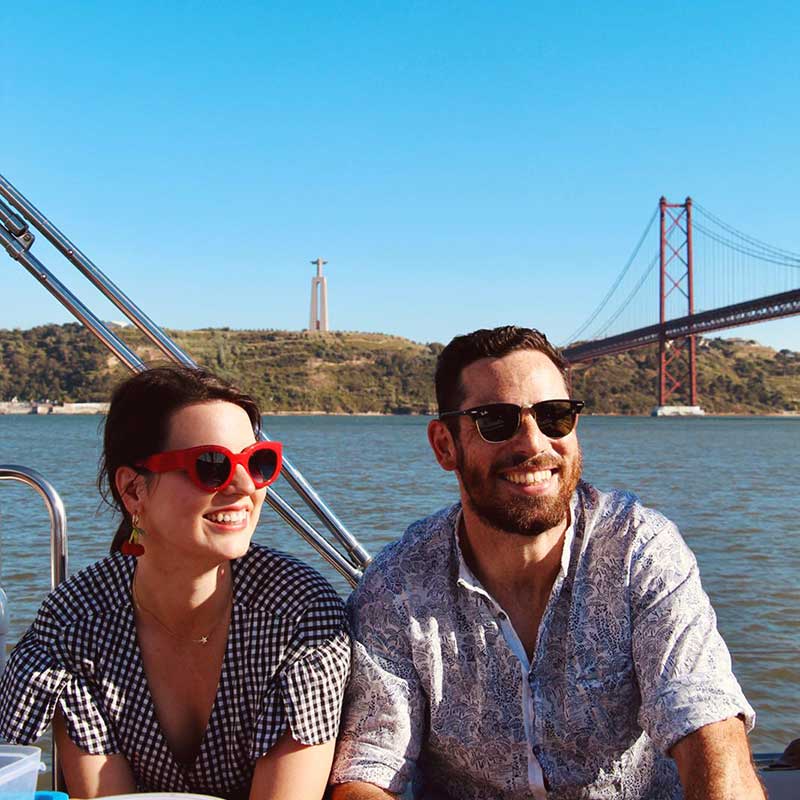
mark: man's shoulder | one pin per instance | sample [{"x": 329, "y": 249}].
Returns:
[
  {"x": 423, "y": 552},
  {"x": 618, "y": 516},
  {"x": 428, "y": 538}
]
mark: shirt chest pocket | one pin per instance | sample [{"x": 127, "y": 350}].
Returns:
[{"x": 607, "y": 704}]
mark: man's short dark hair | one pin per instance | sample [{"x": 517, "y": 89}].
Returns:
[{"x": 487, "y": 343}]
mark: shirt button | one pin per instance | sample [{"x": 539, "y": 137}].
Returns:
[
  {"x": 502, "y": 615},
  {"x": 537, "y": 749}
]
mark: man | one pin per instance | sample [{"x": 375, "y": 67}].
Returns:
[{"x": 540, "y": 638}]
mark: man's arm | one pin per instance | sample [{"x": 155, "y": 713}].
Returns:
[
  {"x": 692, "y": 704},
  {"x": 383, "y": 723},
  {"x": 360, "y": 791},
  {"x": 714, "y": 763}
]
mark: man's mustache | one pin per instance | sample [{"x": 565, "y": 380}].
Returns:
[{"x": 531, "y": 463}]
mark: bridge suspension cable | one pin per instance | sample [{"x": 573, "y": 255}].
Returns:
[
  {"x": 626, "y": 302},
  {"x": 775, "y": 252},
  {"x": 618, "y": 281},
  {"x": 786, "y": 261},
  {"x": 735, "y": 277}
]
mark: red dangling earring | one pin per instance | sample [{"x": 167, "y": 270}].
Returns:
[{"x": 132, "y": 547}]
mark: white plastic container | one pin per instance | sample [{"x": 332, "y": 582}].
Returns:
[
  {"x": 19, "y": 770},
  {"x": 161, "y": 796}
]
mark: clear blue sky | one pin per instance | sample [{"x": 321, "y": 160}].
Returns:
[{"x": 458, "y": 164}]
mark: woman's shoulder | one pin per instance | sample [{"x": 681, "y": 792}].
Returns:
[
  {"x": 98, "y": 590},
  {"x": 280, "y": 583}
]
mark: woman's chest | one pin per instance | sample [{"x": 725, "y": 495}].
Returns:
[{"x": 184, "y": 679}]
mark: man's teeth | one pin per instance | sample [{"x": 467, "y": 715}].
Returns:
[
  {"x": 528, "y": 478},
  {"x": 228, "y": 516}
]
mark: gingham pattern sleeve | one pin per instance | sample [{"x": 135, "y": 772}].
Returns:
[
  {"x": 39, "y": 678},
  {"x": 313, "y": 681}
]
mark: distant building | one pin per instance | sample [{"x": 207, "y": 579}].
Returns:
[{"x": 318, "y": 318}]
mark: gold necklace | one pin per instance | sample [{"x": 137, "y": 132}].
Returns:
[{"x": 203, "y": 640}]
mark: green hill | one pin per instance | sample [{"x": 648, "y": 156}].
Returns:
[
  {"x": 734, "y": 376},
  {"x": 349, "y": 372}
]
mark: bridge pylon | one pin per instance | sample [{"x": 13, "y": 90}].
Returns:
[{"x": 677, "y": 362}]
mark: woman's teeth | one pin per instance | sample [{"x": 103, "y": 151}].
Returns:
[
  {"x": 529, "y": 478},
  {"x": 228, "y": 516}
]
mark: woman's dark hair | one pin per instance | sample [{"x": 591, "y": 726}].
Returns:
[
  {"x": 138, "y": 421},
  {"x": 487, "y": 343}
]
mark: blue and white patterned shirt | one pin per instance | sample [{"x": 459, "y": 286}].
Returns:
[{"x": 628, "y": 661}]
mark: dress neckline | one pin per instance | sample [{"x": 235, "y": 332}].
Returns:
[{"x": 189, "y": 771}]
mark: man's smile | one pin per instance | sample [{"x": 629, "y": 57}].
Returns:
[{"x": 527, "y": 477}]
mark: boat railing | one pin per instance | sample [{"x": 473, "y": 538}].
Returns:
[
  {"x": 17, "y": 239},
  {"x": 58, "y": 545}
]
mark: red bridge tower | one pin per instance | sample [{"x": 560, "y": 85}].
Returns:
[{"x": 676, "y": 275}]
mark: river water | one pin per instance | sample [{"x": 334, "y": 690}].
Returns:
[{"x": 731, "y": 484}]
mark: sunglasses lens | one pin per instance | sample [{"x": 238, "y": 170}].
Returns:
[
  {"x": 213, "y": 468},
  {"x": 262, "y": 465},
  {"x": 498, "y": 422},
  {"x": 555, "y": 418}
]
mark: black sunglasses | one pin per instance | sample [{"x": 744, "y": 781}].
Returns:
[{"x": 498, "y": 422}]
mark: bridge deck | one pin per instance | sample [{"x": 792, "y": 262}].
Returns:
[{"x": 773, "y": 306}]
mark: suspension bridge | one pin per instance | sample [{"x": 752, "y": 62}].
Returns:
[{"x": 707, "y": 276}]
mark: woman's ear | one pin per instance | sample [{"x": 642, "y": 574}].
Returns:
[
  {"x": 132, "y": 488},
  {"x": 442, "y": 444}
]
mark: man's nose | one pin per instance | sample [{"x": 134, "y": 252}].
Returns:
[{"x": 529, "y": 431}]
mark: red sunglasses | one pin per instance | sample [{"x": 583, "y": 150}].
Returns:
[{"x": 211, "y": 467}]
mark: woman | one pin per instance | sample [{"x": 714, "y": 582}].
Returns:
[{"x": 189, "y": 659}]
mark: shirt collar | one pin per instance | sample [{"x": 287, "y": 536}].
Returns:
[
  {"x": 467, "y": 578},
  {"x": 465, "y": 575}
]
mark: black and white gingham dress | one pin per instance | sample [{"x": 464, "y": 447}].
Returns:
[{"x": 286, "y": 665}]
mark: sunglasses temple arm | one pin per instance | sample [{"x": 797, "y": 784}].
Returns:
[{"x": 351, "y": 573}]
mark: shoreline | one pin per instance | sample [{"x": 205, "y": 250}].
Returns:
[{"x": 100, "y": 409}]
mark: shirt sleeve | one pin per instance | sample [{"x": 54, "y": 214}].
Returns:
[
  {"x": 682, "y": 663},
  {"x": 385, "y": 706},
  {"x": 312, "y": 681},
  {"x": 40, "y": 676}
]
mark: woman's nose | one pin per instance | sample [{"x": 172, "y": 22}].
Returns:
[{"x": 242, "y": 482}]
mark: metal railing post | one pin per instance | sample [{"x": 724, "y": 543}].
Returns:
[{"x": 58, "y": 539}]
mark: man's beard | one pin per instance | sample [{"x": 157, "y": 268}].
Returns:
[{"x": 525, "y": 516}]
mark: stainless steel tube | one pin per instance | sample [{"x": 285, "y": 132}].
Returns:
[
  {"x": 351, "y": 573},
  {"x": 55, "y": 508},
  {"x": 90, "y": 271},
  {"x": 58, "y": 539},
  {"x": 72, "y": 303},
  {"x": 12, "y": 221},
  {"x": 356, "y": 554}
]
